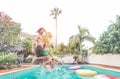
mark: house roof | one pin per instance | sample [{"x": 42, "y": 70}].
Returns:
[{"x": 25, "y": 34}]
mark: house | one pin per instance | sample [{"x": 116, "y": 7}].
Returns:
[{"x": 23, "y": 35}]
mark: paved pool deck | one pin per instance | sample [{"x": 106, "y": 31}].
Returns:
[{"x": 114, "y": 68}]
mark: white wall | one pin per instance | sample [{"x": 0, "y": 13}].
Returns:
[
  {"x": 108, "y": 59},
  {"x": 67, "y": 59}
]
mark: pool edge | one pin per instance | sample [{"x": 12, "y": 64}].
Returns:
[{"x": 18, "y": 70}]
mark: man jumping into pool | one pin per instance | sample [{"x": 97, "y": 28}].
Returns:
[{"x": 37, "y": 45}]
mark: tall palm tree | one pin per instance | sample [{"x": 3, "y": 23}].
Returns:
[{"x": 55, "y": 12}]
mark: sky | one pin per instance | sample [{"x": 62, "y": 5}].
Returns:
[{"x": 96, "y": 15}]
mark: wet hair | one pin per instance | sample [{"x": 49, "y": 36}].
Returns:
[{"x": 40, "y": 29}]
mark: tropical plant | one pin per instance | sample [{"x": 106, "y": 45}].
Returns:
[
  {"x": 9, "y": 30},
  {"x": 73, "y": 45},
  {"x": 62, "y": 48},
  {"x": 55, "y": 12},
  {"x": 7, "y": 59},
  {"x": 76, "y": 42},
  {"x": 27, "y": 43},
  {"x": 84, "y": 35},
  {"x": 109, "y": 41}
]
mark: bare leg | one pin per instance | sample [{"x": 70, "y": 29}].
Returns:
[
  {"x": 36, "y": 58},
  {"x": 33, "y": 60},
  {"x": 42, "y": 57},
  {"x": 59, "y": 62},
  {"x": 52, "y": 64},
  {"x": 44, "y": 64}
]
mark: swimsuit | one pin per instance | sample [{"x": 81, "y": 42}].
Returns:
[
  {"x": 39, "y": 51},
  {"x": 46, "y": 52}
]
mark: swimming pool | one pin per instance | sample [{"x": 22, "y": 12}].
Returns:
[{"x": 58, "y": 72}]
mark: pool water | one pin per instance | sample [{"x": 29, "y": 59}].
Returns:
[{"x": 58, "y": 72}]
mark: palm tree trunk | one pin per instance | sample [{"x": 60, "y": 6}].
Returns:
[
  {"x": 56, "y": 32},
  {"x": 80, "y": 51}
]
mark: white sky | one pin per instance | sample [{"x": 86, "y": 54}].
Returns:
[{"x": 32, "y": 14}]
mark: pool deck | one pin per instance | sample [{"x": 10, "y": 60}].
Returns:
[
  {"x": 2, "y": 72},
  {"x": 113, "y": 68}
]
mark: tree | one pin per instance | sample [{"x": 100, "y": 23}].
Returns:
[
  {"x": 84, "y": 35},
  {"x": 9, "y": 30},
  {"x": 74, "y": 45},
  {"x": 109, "y": 41},
  {"x": 76, "y": 42},
  {"x": 27, "y": 43},
  {"x": 55, "y": 12},
  {"x": 62, "y": 48}
]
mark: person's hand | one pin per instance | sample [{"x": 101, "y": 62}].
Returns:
[{"x": 33, "y": 51}]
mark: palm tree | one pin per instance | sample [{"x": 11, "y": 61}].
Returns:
[
  {"x": 84, "y": 35},
  {"x": 55, "y": 12},
  {"x": 76, "y": 41}
]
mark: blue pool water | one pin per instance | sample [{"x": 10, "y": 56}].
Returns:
[{"x": 58, "y": 72}]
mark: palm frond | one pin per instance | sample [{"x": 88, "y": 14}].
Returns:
[
  {"x": 60, "y": 11},
  {"x": 89, "y": 38},
  {"x": 55, "y": 12}
]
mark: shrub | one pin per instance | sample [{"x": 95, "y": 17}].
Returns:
[
  {"x": 109, "y": 41},
  {"x": 8, "y": 59}
]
